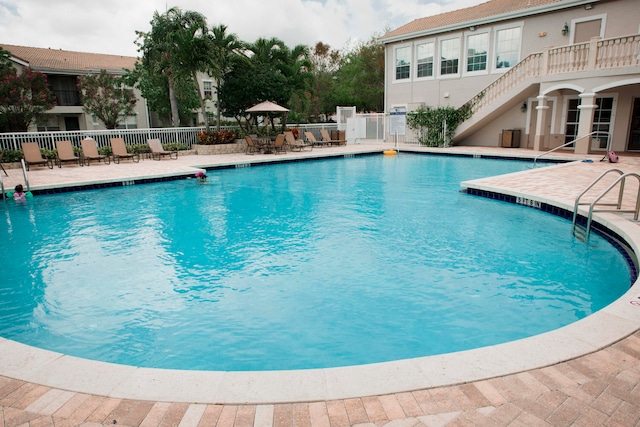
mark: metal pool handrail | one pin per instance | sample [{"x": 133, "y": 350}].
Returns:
[{"x": 572, "y": 142}]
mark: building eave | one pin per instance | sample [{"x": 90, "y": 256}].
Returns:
[
  {"x": 19, "y": 61},
  {"x": 519, "y": 14}
]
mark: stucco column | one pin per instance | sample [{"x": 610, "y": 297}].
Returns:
[
  {"x": 587, "y": 107},
  {"x": 541, "y": 123}
]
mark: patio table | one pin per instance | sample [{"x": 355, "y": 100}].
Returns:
[{"x": 265, "y": 144}]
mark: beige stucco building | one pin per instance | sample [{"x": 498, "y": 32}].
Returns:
[
  {"x": 548, "y": 72},
  {"x": 63, "y": 67}
]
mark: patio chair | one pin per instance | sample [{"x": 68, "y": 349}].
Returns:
[
  {"x": 327, "y": 138},
  {"x": 119, "y": 151},
  {"x": 32, "y": 155},
  {"x": 312, "y": 139},
  {"x": 90, "y": 152},
  {"x": 252, "y": 146},
  {"x": 279, "y": 145},
  {"x": 296, "y": 144},
  {"x": 66, "y": 154},
  {"x": 158, "y": 152}
]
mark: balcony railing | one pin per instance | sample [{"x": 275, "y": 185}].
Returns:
[
  {"x": 594, "y": 55},
  {"x": 66, "y": 98}
]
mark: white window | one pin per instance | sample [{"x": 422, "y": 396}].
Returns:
[
  {"x": 477, "y": 49},
  {"x": 449, "y": 56},
  {"x": 403, "y": 62},
  {"x": 424, "y": 59},
  {"x": 508, "y": 47},
  {"x": 602, "y": 122},
  {"x": 573, "y": 120},
  {"x": 207, "y": 88},
  {"x": 129, "y": 122}
]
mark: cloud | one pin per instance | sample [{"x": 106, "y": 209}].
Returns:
[{"x": 110, "y": 26}]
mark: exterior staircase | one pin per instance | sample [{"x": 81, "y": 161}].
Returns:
[{"x": 603, "y": 58}]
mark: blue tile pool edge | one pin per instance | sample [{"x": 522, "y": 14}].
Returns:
[{"x": 611, "y": 236}]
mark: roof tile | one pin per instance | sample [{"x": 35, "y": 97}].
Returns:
[
  {"x": 473, "y": 13},
  {"x": 53, "y": 59}
]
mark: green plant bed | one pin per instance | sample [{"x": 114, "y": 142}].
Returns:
[{"x": 216, "y": 137}]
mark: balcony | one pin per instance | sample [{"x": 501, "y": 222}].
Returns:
[
  {"x": 67, "y": 98},
  {"x": 608, "y": 58}
]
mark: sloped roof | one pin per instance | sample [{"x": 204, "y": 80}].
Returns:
[
  {"x": 469, "y": 15},
  {"x": 64, "y": 60}
]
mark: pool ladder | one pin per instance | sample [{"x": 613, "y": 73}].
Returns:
[{"x": 582, "y": 231}]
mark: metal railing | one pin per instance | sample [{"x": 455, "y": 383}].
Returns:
[
  {"x": 618, "y": 204},
  {"x": 535, "y": 159},
  {"x": 25, "y": 175}
]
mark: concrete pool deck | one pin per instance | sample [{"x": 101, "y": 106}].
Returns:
[{"x": 587, "y": 373}]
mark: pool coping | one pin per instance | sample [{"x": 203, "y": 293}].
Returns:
[{"x": 609, "y": 325}]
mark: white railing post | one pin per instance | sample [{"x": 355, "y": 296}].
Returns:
[
  {"x": 544, "y": 65},
  {"x": 593, "y": 53}
]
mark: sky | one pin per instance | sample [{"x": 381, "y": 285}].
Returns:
[{"x": 109, "y": 26}]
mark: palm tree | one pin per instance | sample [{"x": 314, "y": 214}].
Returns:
[
  {"x": 296, "y": 67},
  {"x": 176, "y": 46},
  {"x": 268, "y": 51},
  {"x": 223, "y": 48}
]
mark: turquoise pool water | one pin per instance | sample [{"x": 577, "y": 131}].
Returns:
[{"x": 294, "y": 266}]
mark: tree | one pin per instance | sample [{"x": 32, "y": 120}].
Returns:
[
  {"x": 155, "y": 90},
  {"x": 23, "y": 97},
  {"x": 194, "y": 54},
  {"x": 267, "y": 51},
  {"x": 360, "y": 80},
  {"x": 104, "y": 96},
  {"x": 173, "y": 48},
  {"x": 248, "y": 83},
  {"x": 282, "y": 62},
  {"x": 261, "y": 77},
  {"x": 325, "y": 63},
  {"x": 5, "y": 60},
  {"x": 224, "y": 48},
  {"x": 296, "y": 67}
]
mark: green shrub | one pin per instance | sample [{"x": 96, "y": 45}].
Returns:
[
  {"x": 11, "y": 156},
  {"x": 105, "y": 151},
  {"x": 174, "y": 146},
  {"x": 49, "y": 154},
  {"x": 216, "y": 137},
  {"x": 430, "y": 123},
  {"x": 138, "y": 148}
]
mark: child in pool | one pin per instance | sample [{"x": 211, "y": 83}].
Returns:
[
  {"x": 19, "y": 195},
  {"x": 201, "y": 176}
]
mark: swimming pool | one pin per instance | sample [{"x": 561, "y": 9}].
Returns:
[{"x": 283, "y": 270}]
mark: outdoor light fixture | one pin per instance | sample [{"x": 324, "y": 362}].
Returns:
[
  {"x": 588, "y": 6},
  {"x": 565, "y": 29},
  {"x": 472, "y": 28},
  {"x": 523, "y": 108}
]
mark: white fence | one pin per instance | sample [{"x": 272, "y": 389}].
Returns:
[{"x": 187, "y": 136}]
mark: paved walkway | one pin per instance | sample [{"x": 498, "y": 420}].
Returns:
[{"x": 600, "y": 388}]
